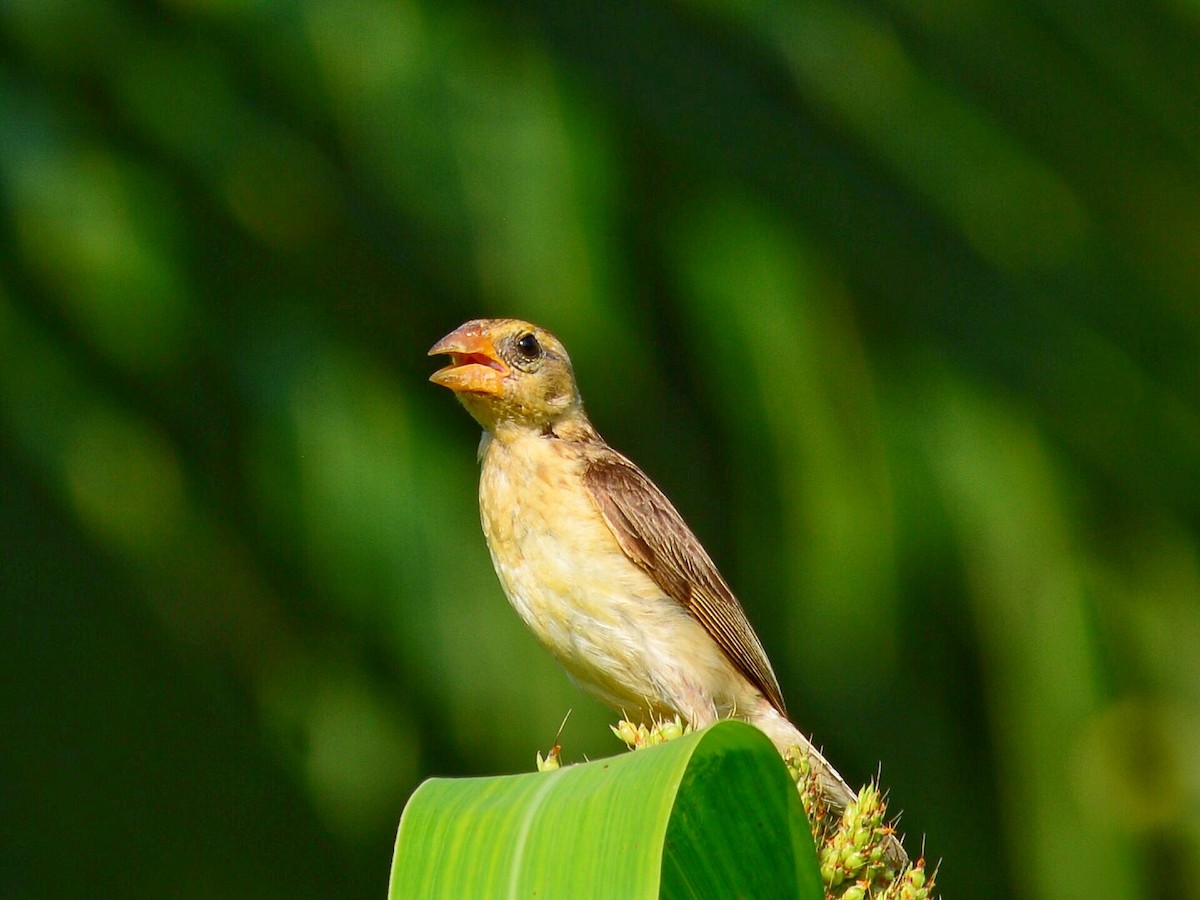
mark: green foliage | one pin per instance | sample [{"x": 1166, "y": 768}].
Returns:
[
  {"x": 712, "y": 814},
  {"x": 897, "y": 300}
]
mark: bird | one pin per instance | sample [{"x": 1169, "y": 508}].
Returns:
[{"x": 597, "y": 561}]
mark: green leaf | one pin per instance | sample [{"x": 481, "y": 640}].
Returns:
[{"x": 711, "y": 814}]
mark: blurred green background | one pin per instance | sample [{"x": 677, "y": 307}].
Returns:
[{"x": 897, "y": 299}]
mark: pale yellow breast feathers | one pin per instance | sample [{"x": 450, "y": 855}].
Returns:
[{"x": 604, "y": 619}]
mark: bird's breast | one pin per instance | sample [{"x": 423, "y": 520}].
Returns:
[{"x": 565, "y": 574}]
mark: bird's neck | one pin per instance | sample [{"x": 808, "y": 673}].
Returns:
[{"x": 573, "y": 427}]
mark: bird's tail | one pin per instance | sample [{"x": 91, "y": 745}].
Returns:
[{"x": 836, "y": 793}]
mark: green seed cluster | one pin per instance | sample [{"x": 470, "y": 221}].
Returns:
[
  {"x": 638, "y": 737},
  {"x": 811, "y": 795},
  {"x": 854, "y": 852},
  {"x": 552, "y": 761},
  {"x": 852, "y": 848}
]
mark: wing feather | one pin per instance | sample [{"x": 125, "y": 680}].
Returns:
[{"x": 655, "y": 537}]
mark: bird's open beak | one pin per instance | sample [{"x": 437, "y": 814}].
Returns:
[{"x": 475, "y": 366}]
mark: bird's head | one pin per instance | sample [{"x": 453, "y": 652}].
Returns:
[{"x": 509, "y": 371}]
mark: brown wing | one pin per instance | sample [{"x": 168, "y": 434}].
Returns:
[{"x": 655, "y": 537}]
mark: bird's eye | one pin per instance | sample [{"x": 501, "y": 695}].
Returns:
[{"x": 528, "y": 346}]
